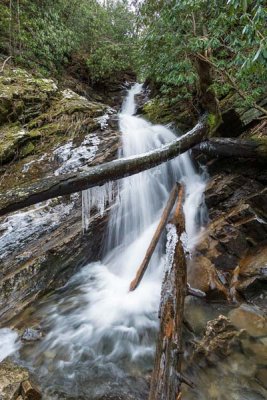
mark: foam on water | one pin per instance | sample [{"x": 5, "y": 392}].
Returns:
[{"x": 9, "y": 343}]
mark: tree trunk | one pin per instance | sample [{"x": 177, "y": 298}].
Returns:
[
  {"x": 166, "y": 377},
  {"x": 206, "y": 96},
  {"x": 255, "y": 148},
  {"x": 52, "y": 187}
]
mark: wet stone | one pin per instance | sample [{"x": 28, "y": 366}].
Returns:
[
  {"x": 11, "y": 376},
  {"x": 31, "y": 335},
  {"x": 30, "y": 391},
  {"x": 250, "y": 318},
  {"x": 220, "y": 340}
]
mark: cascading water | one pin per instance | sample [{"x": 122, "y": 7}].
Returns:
[{"x": 98, "y": 333}]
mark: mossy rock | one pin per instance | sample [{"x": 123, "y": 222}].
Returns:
[
  {"x": 67, "y": 104},
  {"x": 11, "y": 137},
  {"x": 45, "y": 117},
  {"x": 160, "y": 111},
  {"x": 69, "y": 114},
  {"x": 23, "y": 96},
  {"x": 157, "y": 111},
  {"x": 27, "y": 149}
]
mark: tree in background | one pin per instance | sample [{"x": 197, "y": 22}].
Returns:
[
  {"x": 229, "y": 36},
  {"x": 44, "y": 34}
]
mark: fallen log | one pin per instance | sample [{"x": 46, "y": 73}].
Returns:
[
  {"x": 162, "y": 223},
  {"x": 255, "y": 148},
  {"x": 55, "y": 186},
  {"x": 166, "y": 377}
]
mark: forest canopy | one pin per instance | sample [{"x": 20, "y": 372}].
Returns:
[{"x": 159, "y": 40}]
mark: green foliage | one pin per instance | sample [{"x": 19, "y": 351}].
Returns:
[
  {"x": 114, "y": 47},
  {"x": 45, "y": 34},
  {"x": 232, "y": 34}
]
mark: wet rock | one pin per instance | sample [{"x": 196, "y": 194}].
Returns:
[
  {"x": 251, "y": 273},
  {"x": 202, "y": 275},
  {"x": 48, "y": 262},
  {"x": 116, "y": 397},
  {"x": 58, "y": 113},
  {"x": 31, "y": 335},
  {"x": 250, "y": 318},
  {"x": 29, "y": 391},
  {"x": 235, "y": 236},
  {"x": 262, "y": 376},
  {"x": 236, "y": 115},
  {"x": 11, "y": 377},
  {"x": 220, "y": 340}
]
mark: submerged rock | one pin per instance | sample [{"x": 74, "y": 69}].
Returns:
[
  {"x": 250, "y": 318},
  {"x": 31, "y": 335},
  {"x": 220, "y": 339}
]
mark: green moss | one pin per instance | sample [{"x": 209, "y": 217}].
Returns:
[
  {"x": 27, "y": 149},
  {"x": 214, "y": 120},
  {"x": 23, "y": 95},
  {"x": 11, "y": 136},
  {"x": 158, "y": 111}
]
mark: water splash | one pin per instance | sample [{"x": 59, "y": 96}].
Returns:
[{"x": 9, "y": 343}]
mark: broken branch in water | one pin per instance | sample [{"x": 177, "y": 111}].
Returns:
[
  {"x": 162, "y": 223},
  {"x": 195, "y": 292}
]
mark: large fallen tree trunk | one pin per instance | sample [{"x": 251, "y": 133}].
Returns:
[
  {"x": 166, "y": 377},
  {"x": 255, "y": 148},
  {"x": 52, "y": 187}
]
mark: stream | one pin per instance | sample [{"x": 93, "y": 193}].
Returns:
[{"x": 100, "y": 338}]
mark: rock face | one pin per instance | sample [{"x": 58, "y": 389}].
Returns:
[
  {"x": 232, "y": 252},
  {"x": 46, "y": 131}
]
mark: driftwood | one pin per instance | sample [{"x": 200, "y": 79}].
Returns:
[
  {"x": 166, "y": 377},
  {"x": 254, "y": 148},
  {"x": 52, "y": 187},
  {"x": 162, "y": 223}
]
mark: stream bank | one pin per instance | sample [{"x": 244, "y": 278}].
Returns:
[{"x": 230, "y": 257}]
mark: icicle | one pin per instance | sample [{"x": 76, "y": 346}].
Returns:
[{"x": 98, "y": 197}]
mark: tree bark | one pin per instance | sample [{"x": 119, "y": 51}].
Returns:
[
  {"x": 52, "y": 187},
  {"x": 166, "y": 377},
  {"x": 255, "y": 148},
  {"x": 162, "y": 223}
]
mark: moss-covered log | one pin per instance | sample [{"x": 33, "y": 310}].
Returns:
[{"x": 52, "y": 187}]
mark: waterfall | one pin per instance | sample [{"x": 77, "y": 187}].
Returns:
[{"x": 98, "y": 331}]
